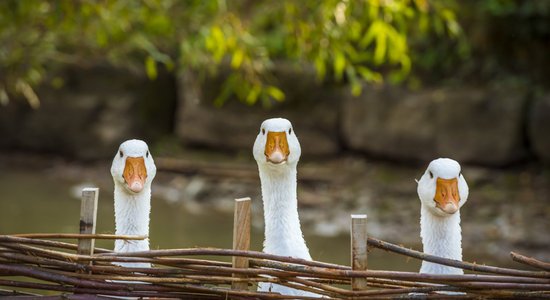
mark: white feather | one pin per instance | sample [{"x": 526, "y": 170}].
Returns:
[
  {"x": 440, "y": 232},
  {"x": 283, "y": 234},
  {"x": 132, "y": 209}
]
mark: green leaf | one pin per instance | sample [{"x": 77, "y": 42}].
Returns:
[
  {"x": 217, "y": 34},
  {"x": 405, "y": 64},
  {"x": 369, "y": 75},
  {"x": 253, "y": 94},
  {"x": 237, "y": 60},
  {"x": 339, "y": 65},
  {"x": 356, "y": 88},
  {"x": 151, "y": 68},
  {"x": 169, "y": 66},
  {"x": 101, "y": 38},
  {"x": 380, "y": 50},
  {"x": 355, "y": 31},
  {"x": 228, "y": 88},
  {"x": 320, "y": 67},
  {"x": 217, "y": 43},
  {"x": 57, "y": 82},
  {"x": 275, "y": 93},
  {"x": 24, "y": 88},
  {"x": 370, "y": 35}
]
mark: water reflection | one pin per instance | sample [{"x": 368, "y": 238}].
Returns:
[{"x": 33, "y": 203}]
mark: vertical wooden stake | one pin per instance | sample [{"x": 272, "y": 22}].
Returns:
[
  {"x": 359, "y": 250},
  {"x": 241, "y": 238},
  {"x": 88, "y": 216}
]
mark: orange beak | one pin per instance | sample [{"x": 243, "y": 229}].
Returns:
[
  {"x": 135, "y": 173},
  {"x": 446, "y": 195},
  {"x": 276, "y": 147}
]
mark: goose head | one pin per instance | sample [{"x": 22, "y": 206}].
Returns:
[
  {"x": 442, "y": 188},
  {"x": 133, "y": 167},
  {"x": 276, "y": 146}
]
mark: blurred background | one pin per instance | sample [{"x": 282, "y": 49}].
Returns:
[{"x": 375, "y": 90}]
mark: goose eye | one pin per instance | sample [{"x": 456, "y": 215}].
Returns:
[
  {"x": 263, "y": 131},
  {"x": 459, "y": 174},
  {"x": 147, "y": 154},
  {"x": 121, "y": 154},
  {"x": 431, "y": 174},
  {"x": 290, "y": 131}
]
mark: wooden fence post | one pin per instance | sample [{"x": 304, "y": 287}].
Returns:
[
  {"x": 241, "y": 238},
  {"x": 359, "y": 250},
  {"x": 88, "y": 216}
]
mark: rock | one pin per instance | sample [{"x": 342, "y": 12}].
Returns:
[
  {"x": 391, "y": 123},
  {"x": 90, "y": 116},
  {"x": 482, "y": 126},
  {"x": 468, "y": 124},
  {"x": 312, "y": 109},
  {"x": 538, "y": 128}
]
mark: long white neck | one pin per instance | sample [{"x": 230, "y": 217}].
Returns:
[
  {"x": 132, "y": 218},
  {"x": 441, "y": 236},
  {"x": 283, "y": 235}
]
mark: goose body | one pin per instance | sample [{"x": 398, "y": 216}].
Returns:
[
  {"x": 277, "y": 151},
  {"x": 133, "y": 171},
  {"x": 442, "y": 191}
]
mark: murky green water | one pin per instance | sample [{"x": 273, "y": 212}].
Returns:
[{"x": 31, "y": 202}]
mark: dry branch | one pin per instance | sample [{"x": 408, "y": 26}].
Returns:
[
  {"x": 99, "y": 236},
  {"x": 451, "y": 262},
  {"x": 179, "y": 273},
  {"x": 530, "y": 261}
]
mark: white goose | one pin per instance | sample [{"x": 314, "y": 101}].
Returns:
[
  {"x": 277, "y": 152},
  {"x": 133, "y": 170},
  {"x": 442, "y": 191}
]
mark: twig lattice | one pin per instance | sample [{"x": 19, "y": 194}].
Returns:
[{"x": 181, "y": 273}]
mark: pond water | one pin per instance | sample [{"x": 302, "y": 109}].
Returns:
[{"x": 33, "y": 202}]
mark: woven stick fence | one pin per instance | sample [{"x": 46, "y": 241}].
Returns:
[{"x": 40, "y": 262}]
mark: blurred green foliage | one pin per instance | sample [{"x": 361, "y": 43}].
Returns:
[
  {"x": 503, "y": 42},
  {"x": 345, "y": 40}
]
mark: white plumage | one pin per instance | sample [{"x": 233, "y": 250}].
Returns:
[
  {"x": 133, "y": 171},
  {"x": 277, "y": 152},
  {"x": 442, "y": 191}
]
